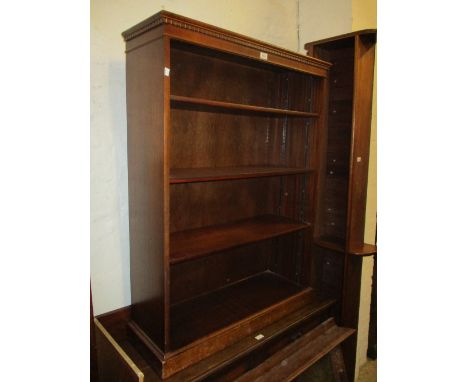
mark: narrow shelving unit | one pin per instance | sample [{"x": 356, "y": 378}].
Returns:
[{"x": 340, "y": 226}]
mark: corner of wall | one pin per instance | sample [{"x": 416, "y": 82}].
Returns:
[
  {"x": 364, "y": 16},
  {"x": 322, "y": 19}
]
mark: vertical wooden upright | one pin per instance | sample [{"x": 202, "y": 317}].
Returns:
[
  {"x": 147, "y": 121},
  {"x": 344, "y": 181}
]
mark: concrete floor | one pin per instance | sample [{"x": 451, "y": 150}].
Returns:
[{"x": 368, "y": 371}]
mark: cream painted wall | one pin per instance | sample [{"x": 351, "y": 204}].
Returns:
[
  {"x": 364, "y": 14},
  {"x": 274, "y": 21},
  {"x": 320, "y": 19}
]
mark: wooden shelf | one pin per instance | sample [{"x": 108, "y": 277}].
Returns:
[
  {"x": 239, "y": 106},
  {"x": 363, "y": 249},
  {"x": 338, "y": 245},
  {"x": 196, "y": 318},
  {"x": 190, "y": 244},
  {"x": 206, "y": 174}
]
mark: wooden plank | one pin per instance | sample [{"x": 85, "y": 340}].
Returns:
[
  {"x": 290, "y": 362},
  {"x": 113, "y": 363},
  {"x": 279, "y": 356}
]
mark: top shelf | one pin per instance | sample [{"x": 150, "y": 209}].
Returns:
[{"x": 239, "y": 106}]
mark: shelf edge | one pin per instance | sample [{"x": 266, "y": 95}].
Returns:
[{"x": 239, "y": 106}]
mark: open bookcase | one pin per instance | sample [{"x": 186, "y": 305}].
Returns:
[{"x": 226, "y": 148}]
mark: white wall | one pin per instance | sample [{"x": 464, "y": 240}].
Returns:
[
  {"x": 320, "y": 19},
  {"x": 272, "y": 21}
]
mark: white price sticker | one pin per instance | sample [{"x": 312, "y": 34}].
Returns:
[{"x": 264, "y": 56}]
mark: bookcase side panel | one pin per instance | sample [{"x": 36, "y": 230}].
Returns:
[
  {"x": 147, "y": 185},
  {"x": 359, "y": 157}
]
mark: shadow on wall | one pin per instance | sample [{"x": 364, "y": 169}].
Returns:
[{"x": 118, "y": 118}]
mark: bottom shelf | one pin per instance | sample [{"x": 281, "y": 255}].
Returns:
[{"x": 198, "y": 317}]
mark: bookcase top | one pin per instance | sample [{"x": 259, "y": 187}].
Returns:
[{"x": 164, "y": 18}]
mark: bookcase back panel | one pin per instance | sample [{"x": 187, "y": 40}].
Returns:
[
  {"x": 333, "y": 212},
  {"x": 300, "y": 91},
  {"x": 205, "y": 73},
  {"x": 327, "y": 268},
  {"x": 209, "y": 74},
  {"x": 192, "y": 278},
  {"x": 203, "y": 138},
  {"x": 298, "y": 149},
  {"x": 296, "y": 197},
  {"x": 287, "y": 258},
  {"x": 329, "y": 51},
  {"x": 198, "y": 317},
  {"x": 197, "y": 205}
]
